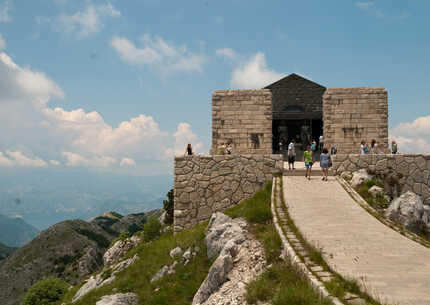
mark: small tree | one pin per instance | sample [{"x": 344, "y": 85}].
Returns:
[
  {"x": 45, "y": 292},
  {"x": 168, "y": 207},
  {"x": 151, "y": 229}
]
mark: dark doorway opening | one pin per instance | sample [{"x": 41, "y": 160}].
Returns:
[{"x": 304, "y": 131}]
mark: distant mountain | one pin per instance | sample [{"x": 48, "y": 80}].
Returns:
[
  {"x": 5, "y": 251},
  {"x": 44, "y": 197},
  {"x": 15, "y": 232},
  {"x": 70, "y": 250}
]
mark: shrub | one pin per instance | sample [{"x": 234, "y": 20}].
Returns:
[
  {"x": 168, "y": 207},
  {"x": 151, "y": 229},
  {"x": 122, "y": 236},
  {"x": 45, "y": 292}
]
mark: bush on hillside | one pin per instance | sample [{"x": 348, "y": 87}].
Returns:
[
  {"x": 45, "y": 292},
  {"x": 151, "y": 229},
  {"x": 168, "y": 207}
]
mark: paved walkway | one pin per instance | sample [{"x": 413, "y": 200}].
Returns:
[{"x": 357, "y": 245}]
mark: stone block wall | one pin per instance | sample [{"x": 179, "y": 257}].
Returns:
[
  {"x": 243, "y": 117},
  {"x": 413, "y": 171},
  {"x": 351, "y": 115},
  {"x": 207, "y": 184}
]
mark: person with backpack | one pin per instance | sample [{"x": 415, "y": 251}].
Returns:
[
  {"x": 291, "y": 154},
  {"x": 308, "y": 158}
]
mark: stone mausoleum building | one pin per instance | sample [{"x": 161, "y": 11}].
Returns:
[
  {"x": 259, "y": 124},
  {"x": 264, "y": 121}
]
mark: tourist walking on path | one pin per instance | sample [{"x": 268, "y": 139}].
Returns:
[
  {"x": 325, "y": 163},
  {"x": 291, "y": 154},
  {"x": 321, "y": 142},
  {"x": 308, "y": 158},
  {"x": 189, "y": 150},
  {"x": 314, "y": 146},
  {"x": 393, "y": 147}
]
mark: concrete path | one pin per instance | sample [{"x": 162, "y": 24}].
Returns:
[{"x": 355, "y": 244}]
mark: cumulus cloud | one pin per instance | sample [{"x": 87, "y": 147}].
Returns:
[
  {"x": 127, "y": 162},
  {"x": 40, "y": 135},
  {"x": 88, "y": 21},
  {"x": 413, "y": 137},
  {"x": 157, "y": 53},
  {"x": 226, "y": 52},
  {"x": 2, "y": 43},
  {"x": 5, "y": 7},
  {"x": 184, "y": 135},
  {"x": 254, "y": 74}
]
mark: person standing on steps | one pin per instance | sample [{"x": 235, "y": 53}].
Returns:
[
  {"x": 324, "y": 163},
  {"x": 308, "y": 158},
  {"x": 291, "y": 154},
  {"x": 189, "y": 150},
  {"x": 321, "y": 142}
]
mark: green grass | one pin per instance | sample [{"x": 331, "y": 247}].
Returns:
[
  {"x": 178, "y": 288},
  {"x": 281, "y": 283},
  {"x": 379, "y": 202}
]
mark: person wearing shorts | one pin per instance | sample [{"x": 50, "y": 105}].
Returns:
[
  {"x": 324, "y": 163},
  {"x": 308, "y": 158},
  {"x": 291, "y": 154}
]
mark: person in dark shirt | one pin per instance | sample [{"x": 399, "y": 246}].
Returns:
[{"x": 189, "y": 150}]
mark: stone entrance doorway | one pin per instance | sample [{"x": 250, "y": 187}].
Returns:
[{"x": 304, "y": 131}]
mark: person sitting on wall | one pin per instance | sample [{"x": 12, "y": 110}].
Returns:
[
  {"x": 393, "y": 147},
  {"x": 221, "y": 149},
  {"x": 362, "y": 147},
  {"x": 229, "y": 148},
  {"x": 374, "y": 147},
  {"x": 189, "y": 150}
]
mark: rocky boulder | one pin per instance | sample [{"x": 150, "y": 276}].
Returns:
[
  {"x": 409, "y": 211},
  {"x": 119, "y": 249},
  {"x": 359, "y": 177},
  {"x": 119, "y": 299}
]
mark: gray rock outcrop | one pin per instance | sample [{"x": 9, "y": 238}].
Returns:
[
  {"x": 359, "y": 177},
  {"x": 240, "y": 259},
  {"x": 119, "y": 249},
  {"x": 409, "y": 211},
  {"x": 103, "y": 278},
  {"x": 175, "y": 252},
  {"x": 119, "y": 299}
]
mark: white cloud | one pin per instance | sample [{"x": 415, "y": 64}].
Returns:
[
  {"x": 254, "y": 74},
  {"x": 19, "y": 158},
  {"x": 127, "y": 162},
  {"x": 413, "y": 137},
  {"x": 5, "y": 161},
  {"x": 183, "y": 136},
  {"x": 2, "y": 43},
  {"x": 364, "y": 5},
  {"x": 76, "y": 137},
  {"x": 4, "y": 11},
  {"x": 157, "y": 53},
  {"x": 87, "y": 22},
  {"x": 226, "y": 52}
]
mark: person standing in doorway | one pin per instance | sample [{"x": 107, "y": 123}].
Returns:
[
  {"x": 308, "y": 158},
  {"x": 324, "y": 163},
  {"x": 189, "y": 150},
  {"x": 321, "y": 142},
  {"x": 291, "y": 154}
]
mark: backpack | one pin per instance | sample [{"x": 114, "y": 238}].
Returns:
[
  {"x": 366, "y": 150},
  {"x": 313, "y": 147}
]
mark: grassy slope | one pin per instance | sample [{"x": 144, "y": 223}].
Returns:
[{"x": 178, "y": 288}]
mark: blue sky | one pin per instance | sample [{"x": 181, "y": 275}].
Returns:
[{"x": 124, "y": 85}]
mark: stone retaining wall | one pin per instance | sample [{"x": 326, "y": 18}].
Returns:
[
  {"x": 412, "y": 171},
  {"x": 207, "y": 184}
]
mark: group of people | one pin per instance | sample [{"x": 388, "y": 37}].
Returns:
[
  {"x": 373, "y": 148},
  {"x": 308, "y": 158},
  {"x": 225, "y": 149}
]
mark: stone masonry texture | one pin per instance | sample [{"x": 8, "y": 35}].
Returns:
[
  {"x": 207, "y": 184},
  {"x": 411, "y": 171},
  {"x": 351, "y": 115},
  {"x": 243, "y": 117}
]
